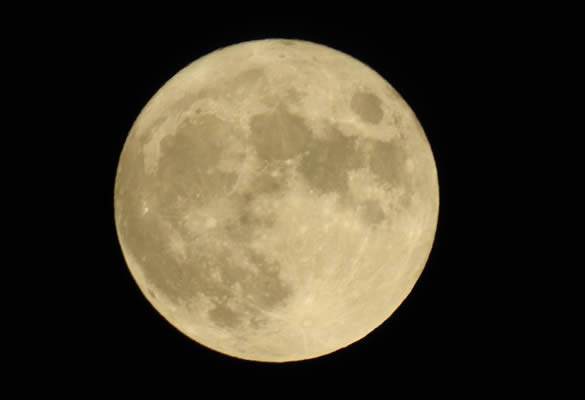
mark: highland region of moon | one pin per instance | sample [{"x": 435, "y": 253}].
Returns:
[{"x": 276, "y": 200}]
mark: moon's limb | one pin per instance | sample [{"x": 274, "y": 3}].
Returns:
[{"x": 278, "y": 207}]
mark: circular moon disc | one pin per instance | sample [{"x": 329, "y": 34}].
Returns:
[{"x": 276, "y": 200}]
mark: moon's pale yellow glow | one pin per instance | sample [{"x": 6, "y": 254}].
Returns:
[{"x": 276, "y": 200}]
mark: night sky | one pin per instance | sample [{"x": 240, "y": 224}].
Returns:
[{"x": 436, "y": 339}]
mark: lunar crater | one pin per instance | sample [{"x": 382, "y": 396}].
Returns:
[
  {"x": 367, "y": 106},
  {"x": 279, "y": 134},
  {"x": 371, "y": 212},
  {"x": 326, "y": 161},
  {"x": 388, "y": 161}
]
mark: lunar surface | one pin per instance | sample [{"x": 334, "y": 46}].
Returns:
[{"x": 276, "y": 200}]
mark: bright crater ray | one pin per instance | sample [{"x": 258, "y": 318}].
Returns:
[{"x": 276, "y": 200}]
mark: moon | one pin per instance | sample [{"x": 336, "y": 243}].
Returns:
[{"x": 276, "y": 200}]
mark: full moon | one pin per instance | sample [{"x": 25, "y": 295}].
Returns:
[{"x": 276, "y": 200}]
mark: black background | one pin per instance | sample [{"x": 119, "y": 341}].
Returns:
[{"x": 439, "y": 338}]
